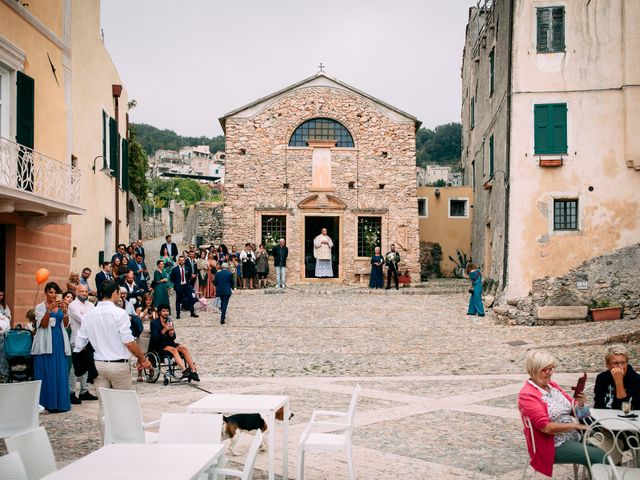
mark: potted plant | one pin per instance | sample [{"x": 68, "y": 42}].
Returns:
[
  {"x": 602, "y": 310},
  {"x": 404, "y": 278}
]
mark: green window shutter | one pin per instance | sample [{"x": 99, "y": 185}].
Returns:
[
  {"x": 125, "y": 164},
  {"x": 491, "y": 69},
  {"x": 25, "y": 110},
  {"x": 558, "y": 127},
  {"x": 472, "y": 112},
  {"x": 104, "y": 139},
  {"x": 113, "y": 147},
  {"x": 541, "y": 129},
  {"x": 557, "y": 29},
  {"x": 542, "y": 21},
  {"x": 491, "y": 160}
]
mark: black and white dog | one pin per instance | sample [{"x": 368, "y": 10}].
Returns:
[{"x": 234, "y": 424}]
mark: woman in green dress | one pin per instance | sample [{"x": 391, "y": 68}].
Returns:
[
  {"x": 166, "y": 258},
  {"x": 161, "y": 285}
]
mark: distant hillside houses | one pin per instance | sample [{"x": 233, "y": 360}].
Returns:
[
  {"x": 188, "y": 162},
  {"x": 431, "y": 174}
]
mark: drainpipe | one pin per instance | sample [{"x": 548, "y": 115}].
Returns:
[
  {"x": 116, "y": 90},
  {"x": 507, "y": 166}
]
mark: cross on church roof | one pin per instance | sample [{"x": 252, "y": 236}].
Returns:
[{"x": 321, "y": 68}]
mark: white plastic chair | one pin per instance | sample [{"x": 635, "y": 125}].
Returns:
[
  {"x": 19, "y": 407},
  {"x": 330, "y": 441},
  {"x": 11, "y": 466},
  {"x": 35, "y": 451},
  {"x": 190, "y": 428},
  {"x": 123, "y": 419},
  {"x": 527, "y": 424},
  {"x": 249, "y": 462},
  {"x": 626, "y": 436}
]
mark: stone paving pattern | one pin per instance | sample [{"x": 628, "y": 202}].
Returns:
[{"x": 439, "y": 387}]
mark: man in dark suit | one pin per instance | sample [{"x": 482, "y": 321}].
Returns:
[
  {"x": 224, "y": 283},
  {"x": 190, "y": 262},
  {"x": 139, "y": 269},
  {"x": 120, "y": 251},
  {"x": 172, "y": 248},
  {"x": 133, "y": 288},
  {"x": 180, "y": 275},
  {"x": 102, "y": 276},
  {"x": 140, "y": 248},
  {"x": 280, "y": 253},
  {"x": 392, "y": 259}
]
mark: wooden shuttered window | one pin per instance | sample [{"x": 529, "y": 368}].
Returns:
[
  {"x": 491, "y": 71},
  {"x": 550, "y": 128},
  {"x": 104, "y": 139},
  {"x": 113, "y": 147},
  {"x": 125, "y": 164},
  {"x": 550, "y": 29},
  {"x": 491, "y": 157},
  {"x": 25, "y": 110}
]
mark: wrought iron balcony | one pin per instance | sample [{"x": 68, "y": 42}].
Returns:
[{"x": 33, "y": 182}]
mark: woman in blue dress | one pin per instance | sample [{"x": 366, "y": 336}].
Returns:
[
  {"x": 377, "y": 261},
  {"x": 50, "y": 349},
  {"x": 161, "y": 285},
  {"x": 475, "y": 302}
]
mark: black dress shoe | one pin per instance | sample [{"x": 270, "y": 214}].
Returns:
[
  {"x": 178, "y": 317},
  {"x": 222, "y": 322},
  {"x": 87, "y": 396},
  {"x": 194, "y": 315},
  {"x": 194, "y": 376},
  {"x": 74, "y": 400},
  {"x": 185, "y": 374}
]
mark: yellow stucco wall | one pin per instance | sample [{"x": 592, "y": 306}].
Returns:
[
  {"x": 93, "y": 75},
  {"x": 451, "y": 233},
  {"x": 50, "y": 129}
]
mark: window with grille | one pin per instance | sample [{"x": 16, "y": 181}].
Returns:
[
  {"x": 369, "y": 229},
  {"x": 274, "y": 227},
  {"x": 321, "y": 129},
  {"x": 550, "y": 29},
  {"x": 457, "y": 208},
  {"x": 565, "y": 214}
]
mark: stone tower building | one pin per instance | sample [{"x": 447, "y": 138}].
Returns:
[{"x": 322, "y": 154}]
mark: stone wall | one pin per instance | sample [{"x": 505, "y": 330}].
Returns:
[
  {"x": 377, "y": 178},
  {"x": 613, "y": 277},
  {"x": 161, "y": 224},
  {"x": 204, "y": 220},
  {"x": 134, "y": 219}
]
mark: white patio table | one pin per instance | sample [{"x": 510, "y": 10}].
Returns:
[
  {"x": 609, "y": 418},
  {"x": 138, "y": 461},
  {"x": 266, "y": 405}
]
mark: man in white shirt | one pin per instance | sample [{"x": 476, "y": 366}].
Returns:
[
  {"x": 108, "y": 329},
  {"x": 77, "y": 311}
]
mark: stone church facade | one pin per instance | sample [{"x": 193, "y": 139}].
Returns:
[{"x": 321, "y": 154}]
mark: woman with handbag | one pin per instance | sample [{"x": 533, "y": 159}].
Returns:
[
  {"x": 475, "y": 302},
  {"x": 50, "y": 349}
]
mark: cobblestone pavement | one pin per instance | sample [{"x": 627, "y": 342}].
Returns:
[{"x": 439, "y": 387}]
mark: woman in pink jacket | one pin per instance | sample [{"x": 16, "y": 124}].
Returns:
[{"x": 556, "y": 431}]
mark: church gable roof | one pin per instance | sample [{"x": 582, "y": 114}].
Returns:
[{"x": 320, "y": 79}]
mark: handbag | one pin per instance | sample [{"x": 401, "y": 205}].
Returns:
[{"x": 17, "y": 343}]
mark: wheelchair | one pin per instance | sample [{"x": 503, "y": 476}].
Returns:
[{"x": 163, "y": 364}]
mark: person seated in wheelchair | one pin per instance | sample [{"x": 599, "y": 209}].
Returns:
[{"x": 163, "y": 339}]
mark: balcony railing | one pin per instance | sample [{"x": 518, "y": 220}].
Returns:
[{"x": 27, "y": 170}]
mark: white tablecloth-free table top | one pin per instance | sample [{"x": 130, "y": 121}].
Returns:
[
  {"x": 263, "y": 404},
  {"x": 154, "y": 461},
  {"x": 609, "y": 419}
]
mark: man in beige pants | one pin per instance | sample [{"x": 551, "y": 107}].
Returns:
[{"x": 108, "y": 328}]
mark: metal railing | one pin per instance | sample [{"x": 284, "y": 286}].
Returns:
[{"x": 27, "y": 170}]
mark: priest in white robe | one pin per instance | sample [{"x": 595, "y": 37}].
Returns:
[{"x": 322, "y": 246}]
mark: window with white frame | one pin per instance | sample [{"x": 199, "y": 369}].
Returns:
[
  {"x": 423, "y": 207},
  {"x": 458, "y": 208},
  {"x": 5, "y": 102}
]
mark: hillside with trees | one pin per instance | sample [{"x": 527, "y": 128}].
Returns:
[
  {"x": 440, "y": 146},
  {"x": 152, "y": 139}
]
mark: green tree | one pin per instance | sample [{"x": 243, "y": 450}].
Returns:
[
  {"x": 138, "y": 165},
  {"x": 153, "y": 139},
  {"x": 189, "y": 191},
  {"x": 440, "y": 146}
]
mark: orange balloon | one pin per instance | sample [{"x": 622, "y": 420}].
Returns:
[{"x": 42, "y": 275}]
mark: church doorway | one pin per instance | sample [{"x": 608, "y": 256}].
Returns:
[{"x": 312, "y": 228}]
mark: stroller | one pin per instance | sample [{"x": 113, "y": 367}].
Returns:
[{"x": 17, "y": 349}]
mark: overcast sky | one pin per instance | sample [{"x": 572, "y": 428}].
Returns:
[{"x": 187, "y": 63}]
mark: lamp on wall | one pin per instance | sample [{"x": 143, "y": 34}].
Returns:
[
  {"x": 437, "y": 192},
  {"x": 488, "y": 185},
  {"x": 104, "y": 169}
]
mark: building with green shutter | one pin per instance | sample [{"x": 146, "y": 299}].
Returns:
[{"x": 550, "y": 115}]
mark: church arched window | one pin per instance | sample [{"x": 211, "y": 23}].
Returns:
[{"x": 321, "y": 129}]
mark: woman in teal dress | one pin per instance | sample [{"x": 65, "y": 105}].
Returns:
[
  {"x": 475, "y": 302},
  {"x": 377, "y": 261},
  {"x": 166, "y": 258},
  {"x": 161, "y": 285}
]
